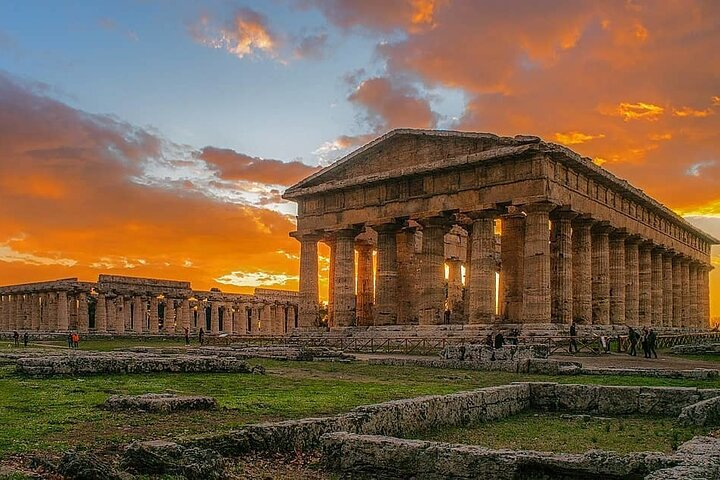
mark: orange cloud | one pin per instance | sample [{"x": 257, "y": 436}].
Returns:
[
  {"x": 247, "y": 34},
  {"x": 232, "y": 165},
  {"x": 691, "y": 112},
  {"x": 634, "y": 111},
  {"x": 575, "y": 138}
]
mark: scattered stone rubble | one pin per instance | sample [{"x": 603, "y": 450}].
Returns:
[
  {"x": 90, "y": 363},
  {"x": 159, "y": 402},
  {"x": 705, "y": 413},
  {"x": 697, "y": 349},
  {"x": 161, "y": 457}
]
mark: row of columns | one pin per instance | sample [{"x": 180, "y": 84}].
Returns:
[
  {"x": 556, "y": 267},
  {"x": 59, "y": 312}
]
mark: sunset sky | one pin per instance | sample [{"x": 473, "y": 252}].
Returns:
[{"x": 154, "y": 138}]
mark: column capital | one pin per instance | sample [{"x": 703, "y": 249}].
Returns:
[
  {"x": 344, "y": 233},
  {"x": 539, "y": 207},
  {"x": 602, "y": 228},
  {"x": 619, "y": 234},
  {"x": 435, "y": 221},
  {"x": 306, "y": 236},
  {"x": 584, "y": 220},
  {"x": 491, "y": 213},
  {"x": 564, "y": 214},
  {"x": 634, "y": 239},
  {"x": 388, "y": 227}
]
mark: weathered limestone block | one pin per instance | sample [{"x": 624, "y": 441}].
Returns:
[
  {"x": 536, "y": 284},
  {"x": 705, "y": 413},
  {"x": 699, "y": 459},
  {"x": 386, "y": 290},
  {"x": 80, "y": 465},
  {"x": 159, "y": 402},
  {"x": 663, "y": 401},
  {"x": 168, "y": 458}
]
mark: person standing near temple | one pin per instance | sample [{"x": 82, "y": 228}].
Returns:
[
  {"x": 187, "y": 336},
  {"x": 573, "y": 337},
  {"x": 633, "y": 339},
  {"x": 16, "y": 338},
  {"x": 499, "y": 340},
  {"x": 652, "y": 341},
  {"x": 644, "y": 342},
  {"x": 69, "y": 339},
  {"x": 201, "y": 335},
  {"x": 26, "y": 337}
]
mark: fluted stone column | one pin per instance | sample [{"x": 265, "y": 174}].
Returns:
[
  {"x": 601, "y": 274},
  {"x": 61, "y": 324},
  {"x": 308, "y": 299},
  {"x": 512, "y": 253},
  {"x": 255, "y": 318},
  {"x": 35, "y": 311},
  {"x": 214, "y": 317},
  {"x": 344, "y": 284},
  {"x": 83, "y": 317},
  {"x": 265, "y": 319},
  {"x": 292, "y": 317},
  {"x": 704, "y": 293},
  {"x": 169, "y": 314},
  {"x": 155, "y": 316},
  {"x": 137, "y": 314},
  {"x": 657, "y": 287},
  {"x": 536, "y": 261},
  {"x": 408, "y": 286},
  {"x": 455, "y": 290},
  {"x": 118, "y": 310},
  {"x": 685, "y": 292},
  {"x": 617, "y": 277},
  {"x": 185, "y": 309},
  {"x": 693, "y": 296},
  {"x": 582, "y": 270},
  {"x": 480, "y": 282},
  {"x": 432, "y": 273},
  {"x": 645, "y": 310},
  {"x": 101, "y": 316},
  {"x": 228, "y": 319},
  {"x": 386, "y": 290},
  {"x": 365, "y": 284},
  {"x": 667, "y": 289},
  {"x": 561, "y": 264},
  {"x": 677, "y": 291},
  {"x": 330, "y": 242}
]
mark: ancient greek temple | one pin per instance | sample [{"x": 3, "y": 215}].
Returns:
[
  {"x": 132, "y": 305},
  {"x": 538, "y": 235}
]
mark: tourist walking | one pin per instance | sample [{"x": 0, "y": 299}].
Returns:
[
  {"x": 201, "y": 336},
  {"x": 489, "y": 340},
  {"x": 633, "y": 339},
  {"x": 573, "y": 337},
  {"x": 76, "y": 340},
  {"x": 69, "y": 339},
  {"x": 26, "y": 337},
  {"x": 16, "y": 338},
  {"x": 644, "y": 341},
  {"x": 652, "y": 341},
  {"x": 187, "y": 336}
]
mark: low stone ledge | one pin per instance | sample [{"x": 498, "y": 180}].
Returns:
[
  {"x": 168, "y": 458},
  {"x": 694, "y": 374},
  {"x": 117, "y": 362},
  {"x": 697, "y": 349},
  {"x": 159, "y": 402},
  {"x": 705, "y": 413},
  {"x": 399, "y": 417},
  {"x": 375, "y": 456}
]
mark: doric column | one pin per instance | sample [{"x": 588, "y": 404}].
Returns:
[
  {"x": 35, "y": 311},
  {"x": 83, "y": 317},
  {"x": 685, "y": 292},
  {"x": 308, "y": 299},
  {"x": 480, "y": 284},
  {"x": 185, "y": 309},
  {"x": 455, "y": 290},
  {"x": 214, "y": 317},
  {"x": 432, "y": 271},
  {"x": 617, "y": 277},
  {"x": 265, "y": 319},
  {"x": 386, "y": 290},
  {"x": 582, "y": 270},
  {"x": 601, "y": 274},
  {"x": 512, "y": 251},
  {"x": 118, "y": 309},
  {"x": 255, "y": 318},
  {"x": 657, "y": 287},
  {"x": 365, "y": 284},
  {"x": 228, "y": 319},
  {"x": 536, "y": 263},
  {"x": 61, "y": 325},
  {"x": 408, "y": 286},
  {"x": 561, "y": 264},
  {"x": 693, "y": 296},
  {"x": 704, "y": 294},
  {"x": 330, "y": 242},
  {"x": 154, "y": 315},
  {"x": 344, "y": 284},
  {"x": 645, "y": 304},
  {"x": 291, "y": 317},
  {"x": 169, "y": 316},
  {"x": 677, "y": 291},
  {"x": 101, "y": 314},
  {"x": 201, "y": 315},
  {"x": 667, "y": 288},
  {"x": 137, "y": 314}
]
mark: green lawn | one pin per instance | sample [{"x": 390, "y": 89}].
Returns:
[
  {"x": 550, "y": 432},
  {"x": 55, "y": 413}
]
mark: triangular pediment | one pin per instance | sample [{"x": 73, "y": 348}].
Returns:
[{"x": 404, "y": 148}]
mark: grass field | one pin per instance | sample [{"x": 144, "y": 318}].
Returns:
[
  {"x": 549, "y": 432},
  {"x": 52, "y": 414}
]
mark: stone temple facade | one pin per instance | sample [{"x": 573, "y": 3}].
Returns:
[
  {"x": 130, "y": 305},
  {"x": 543, "y": 236}
]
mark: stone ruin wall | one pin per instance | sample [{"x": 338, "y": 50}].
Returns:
[{"x": 120, "y": 305}]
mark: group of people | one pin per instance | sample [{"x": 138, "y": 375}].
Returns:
[
  {"x": 497, "y": 340},
  {"x": 73, "y": 340},
  {"x": 647, "y": 339},
  {"x": 16, "y": 338}
]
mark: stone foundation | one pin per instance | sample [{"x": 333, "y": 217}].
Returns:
[
  {"x": 700, "y": 349},
  {"x": 119, "y": 362},
  {"x": 159, "y": 402}
]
